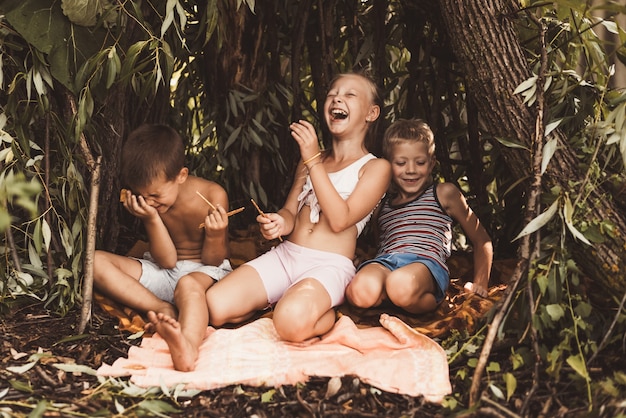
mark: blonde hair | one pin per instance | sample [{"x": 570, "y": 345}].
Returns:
[
  {"x": 408, "y": 130},
  {"x": 376, "y": 99}
]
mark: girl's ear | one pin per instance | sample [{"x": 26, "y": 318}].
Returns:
[
  {"x": 373, "y": 113},
  {"x": 182, "y": 175}
]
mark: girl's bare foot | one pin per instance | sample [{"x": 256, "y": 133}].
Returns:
[{"x": 183, "y": 354}]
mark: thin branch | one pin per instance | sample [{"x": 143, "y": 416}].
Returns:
[
  {"x": 94, "y": 166},
  {"x": 610, "y": 331}
]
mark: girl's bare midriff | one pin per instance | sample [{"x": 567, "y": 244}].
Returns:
[{"x": 319, "y": 236}]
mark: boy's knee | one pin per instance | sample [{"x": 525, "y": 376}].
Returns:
[{"x": 362, "y": 294}]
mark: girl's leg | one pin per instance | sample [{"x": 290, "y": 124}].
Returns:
[
  {"x": 304, "y": 312},
  {"x": 367, "y": 288},
  {"x": 412, "y": 288},
  {"x": 118, "y": 276},
  {"x": 185, "y": 335},
  {"x": 236, "y": 297}
]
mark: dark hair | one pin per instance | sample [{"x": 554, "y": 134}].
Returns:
[
  {"x": 151, "y": 151},
  {"x": 408, "y": 130}
]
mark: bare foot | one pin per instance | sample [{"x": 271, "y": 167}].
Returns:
[
  {"x": 167, "y": 309},
  {"x": 404, "y": 333},
  {"x": 183, "y": 354}
]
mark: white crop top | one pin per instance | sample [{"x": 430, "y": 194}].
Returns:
[{"x": 345, "y": 181}]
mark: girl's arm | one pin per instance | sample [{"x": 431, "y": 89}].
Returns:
[
  {"x": 342, "y": 214},
  {"x": 456, "y": 206},
  {"x": 215, "y": 246},
  {"x": 282, "y": 222}
]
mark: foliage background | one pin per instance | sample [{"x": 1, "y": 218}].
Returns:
[{"x": 77, "y": 75}]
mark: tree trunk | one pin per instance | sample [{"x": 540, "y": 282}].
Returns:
[{"x": 487, "y": 48}]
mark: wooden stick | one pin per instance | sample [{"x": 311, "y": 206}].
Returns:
[
  {"x": 235, "y": 211},
  {"x": 263, "y": 214},
  {"x": 206, "y": 200},
  {"x": 231, "y": 213}
]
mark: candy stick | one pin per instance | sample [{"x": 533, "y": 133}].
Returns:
[
  {"x": 206, "y": 200},
  {"x": 263, "y": 214},
  {"x": 231, "y": 213}
]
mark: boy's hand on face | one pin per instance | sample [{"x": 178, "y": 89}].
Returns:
[
  {"x": 138, "y": 207},
  {"x": 216, "y": 221}
]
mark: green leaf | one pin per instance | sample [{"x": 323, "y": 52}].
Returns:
[
  {"x": 21, "y": 386},
  {"x": 548, "y": 151},
  {"x": 526, "y": 84},
  {"x": 511, "y": 385},
  {"x": 555, "y": 311},
  {"x": 497, "y": 392},
  {"x": 568, "y": 214},
  {"x": 157, "y": 407},
  {"x": 267, "y": 397},
  {"x": 46, "y": 233},
  {"x": 578, "y": 364},
  {"x": 23, "y": 368},
  {"x": 232, "y": 137},
  {"x": 539, "y": 221},
  {"x": 76, "y": 368}
]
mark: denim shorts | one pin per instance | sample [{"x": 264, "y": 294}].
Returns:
[{"x": 396, "y": 260}]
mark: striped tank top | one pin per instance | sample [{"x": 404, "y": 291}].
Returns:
[{"x": 420, "y": 227}]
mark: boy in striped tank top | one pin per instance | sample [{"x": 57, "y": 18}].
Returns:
[{"x": 414, "y": 230}]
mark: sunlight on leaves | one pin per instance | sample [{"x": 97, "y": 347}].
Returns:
[
  {"x": 539, "y": 221},
  {"x": 568, "y": 214}
]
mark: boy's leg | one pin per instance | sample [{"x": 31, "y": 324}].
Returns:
[
  {"x": 118, "y": 276},
  {"x": 304, "y": 311},
  {"x": 367, "y": 288},
  {"x": 412, "y": 288},
  {"x": 185, "y": 335},
  {"x": 236, "y": 297}
]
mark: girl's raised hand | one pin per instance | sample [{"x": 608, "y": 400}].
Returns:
[{"x": 305, "y": 135}]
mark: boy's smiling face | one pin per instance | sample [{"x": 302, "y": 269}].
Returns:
[
  {"x": 161, "y": 193},
  {"x": 412, "y": 168}
]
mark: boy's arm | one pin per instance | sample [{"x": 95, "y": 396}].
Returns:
[
  {"x": 215, "y": 245},
  {"x": 160, "y": 242},
  {"x": 456, "y": 206}
]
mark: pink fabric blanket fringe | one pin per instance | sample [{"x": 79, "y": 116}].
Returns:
[{"x": 394, "y": 358}]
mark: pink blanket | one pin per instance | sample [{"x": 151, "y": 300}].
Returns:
[{"x": 394, "y": 358}]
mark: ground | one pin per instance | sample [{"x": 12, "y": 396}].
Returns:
[
  {"x": 29, "y": 333},
  {"x": 48, "y": 370}
]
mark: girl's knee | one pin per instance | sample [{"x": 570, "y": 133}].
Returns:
[{"x": 218, "y": 312}]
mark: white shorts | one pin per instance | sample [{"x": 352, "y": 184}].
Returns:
[
  {"x": 288, "y": 263},
  {"x": 162, "y": 282}
]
